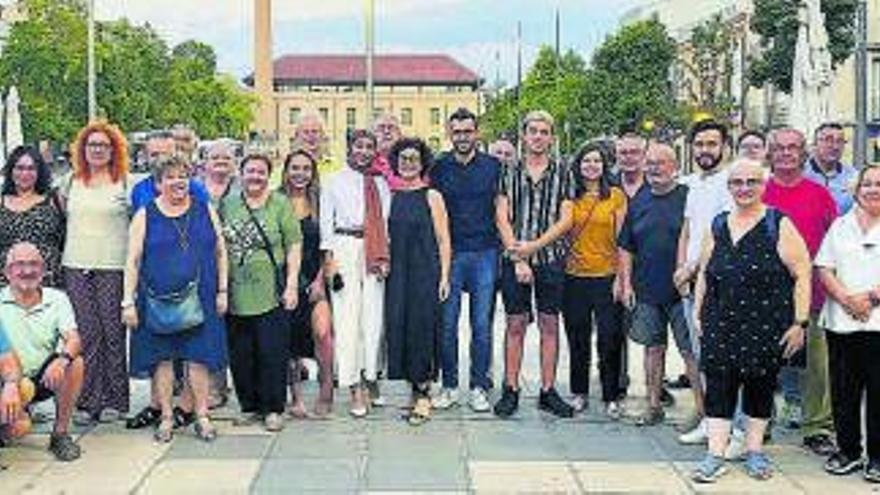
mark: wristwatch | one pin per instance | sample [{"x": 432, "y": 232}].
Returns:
[
  {"x": 805, "y": 324},
  {"x": 874, "y": 299}
]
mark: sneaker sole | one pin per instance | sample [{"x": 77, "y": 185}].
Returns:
[
  {"x": 701, "y": 478},
  {"x": 848, "y": 469}
]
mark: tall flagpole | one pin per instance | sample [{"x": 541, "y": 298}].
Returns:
[
  {"x": 860, "y": 150},
  {"x": 370, "y": 42},
  {"x": 93, "y": 105}
]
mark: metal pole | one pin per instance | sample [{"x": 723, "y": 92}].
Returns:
[
  {"x": 371, "y": 48},
  {"x": 860, "y": 149},
  {"x": 91, "y": 62}
]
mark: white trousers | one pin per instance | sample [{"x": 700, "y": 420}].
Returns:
[{"x": 358, "y": 314}]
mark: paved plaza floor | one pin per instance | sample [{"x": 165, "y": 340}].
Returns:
[{"x": 456, "y": 452}]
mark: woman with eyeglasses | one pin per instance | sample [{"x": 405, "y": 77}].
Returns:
[
  {"x": 98, "y": 202},
  {"x": 30, "y": 211},
  {"x": 849, "y": 268},
  {"x": 421, "y": 254},
  {"x": 751, "y": 311}
]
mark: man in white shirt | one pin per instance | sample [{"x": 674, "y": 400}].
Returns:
[{"x": 708, "y": 195}]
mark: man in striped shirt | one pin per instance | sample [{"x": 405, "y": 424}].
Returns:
[{"x": 534, "y": 208}]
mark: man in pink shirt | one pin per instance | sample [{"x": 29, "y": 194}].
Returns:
[{"x": 812, "y": 210}]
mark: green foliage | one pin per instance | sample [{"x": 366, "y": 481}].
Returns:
[
  {"x": 707, "y": 68},
  {"x": 776, "y": 22},
  {"x": 627, "y": 83},
  {"x": 141, "y": 82}
]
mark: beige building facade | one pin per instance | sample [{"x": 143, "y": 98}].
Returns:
[{"x": 764, "y": 107}]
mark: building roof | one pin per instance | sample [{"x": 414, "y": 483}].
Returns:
[{"x": 398, "y": 69}]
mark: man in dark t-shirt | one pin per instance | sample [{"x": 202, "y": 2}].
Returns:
[{"x": 648, "y": 244}]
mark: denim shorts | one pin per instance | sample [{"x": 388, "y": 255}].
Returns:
[
  {"x": 650, "y": 324},
  {"x": 548, "y": 286}
]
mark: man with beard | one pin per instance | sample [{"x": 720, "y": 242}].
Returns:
[
  {"x": 468, "y": 181},
  {"x": 708, "y": 195},
  {"x": 826, "y": 168},
  {"x": 309, "y": 135}
]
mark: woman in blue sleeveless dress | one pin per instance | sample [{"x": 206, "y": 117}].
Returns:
[{"x": 175, "y": 240}]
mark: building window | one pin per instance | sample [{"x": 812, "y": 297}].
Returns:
[
  {"x": 406, "y": 116},
  {"x": 350, "y": 118},
  {"x": 324, "y": 112},
  {"x": 293, "y": 144},
  {"x": 435, "y": 116},
  {"x": 434, "y": 143},
  {"x": 294, "y": 114}
]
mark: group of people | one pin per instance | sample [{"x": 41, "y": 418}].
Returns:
[{"x": 762, "y": 264}]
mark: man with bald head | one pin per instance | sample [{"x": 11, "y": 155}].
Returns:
[
  {"x": 386, "y": 128},
  {"x": 40, "y": 326},
  {"x": 812, "y": 209},
  {"x": 648, "y": 250},
  {"x": 311, "y": 136}
]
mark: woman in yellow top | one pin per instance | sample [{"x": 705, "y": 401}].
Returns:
[{"x": 599, "y": 210}]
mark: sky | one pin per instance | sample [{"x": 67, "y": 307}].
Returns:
[{"x": 479, "y": 33}]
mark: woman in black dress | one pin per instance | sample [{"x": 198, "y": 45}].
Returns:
[
  {"x": 31, "y": 212},
  {"x": 418, "y": 229},
  {"x": 751, "y": 308},
  {"x": 312, "y": 321}
]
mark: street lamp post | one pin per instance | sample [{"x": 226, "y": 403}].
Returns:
[
  {"x": 860, "y": 151},
  {"x": 91, "y": 62},
  {"x": 370, "y": 52}
]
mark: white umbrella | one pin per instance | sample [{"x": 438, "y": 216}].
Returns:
[
  {"x": 14, "y": 135},
  {"x": 812, "y": 73}
]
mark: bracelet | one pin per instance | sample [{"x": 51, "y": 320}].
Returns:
[
  {"x": 126, "y": 303},
  {"x": 222, "y": 291}
]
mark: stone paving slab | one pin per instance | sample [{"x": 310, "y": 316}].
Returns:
[
  {"x": 523, "y": 477},
  {"x": 288, "y": 475},
  {"x": 184, "y": 476},
  {"x": 644, "y": 477}
]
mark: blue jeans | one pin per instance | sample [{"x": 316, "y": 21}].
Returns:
[{"x": 475, "y": 273}]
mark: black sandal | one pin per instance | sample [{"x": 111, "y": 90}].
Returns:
[
  {"x": 147, "y": 417},
  {"x": 182, "y": 419}
]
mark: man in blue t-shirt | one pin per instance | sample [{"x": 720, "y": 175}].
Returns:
[
  {"x": 468, "y": 181},
  {"x": 160, "y": 144},
  {"x": 648, "y": 244}
]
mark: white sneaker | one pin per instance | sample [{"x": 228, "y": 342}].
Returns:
[
  {"x": 447, "y": 398},
  {"x": 737, "y": 446},
  {"x": 273, "y": 422},
  {"x": 613, "y": 410},
  {"x": 479, "y": 402},
  {"x": 579, "y": 403},
  {"x": 696, "y": 436}
]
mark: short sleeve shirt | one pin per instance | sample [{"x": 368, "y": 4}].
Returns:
[
  {"x": 707, "y": 196},
  {"x": 840, "y": 184},
  {"x": 146, "y": 191},
  {"x": 650, "y": 234},
  {"x": 594, "y": 235},
  {"x": 536, "y": 205},
  {"x": 35, "y": 333},
  {"x": 251, "y": 272},
  {"x": 854, "y": 255},
  {"x": 811, "y": 209},
  {"x": 469, "y": 192}
]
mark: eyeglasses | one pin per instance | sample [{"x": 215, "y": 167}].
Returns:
[
  {"x": 414, "y": 157},
  {"x": 833, "y": 140},
  {"x": 740, "y": 183},
  {"x": 22, "y": 264}
]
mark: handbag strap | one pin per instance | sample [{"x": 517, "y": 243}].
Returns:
[{"x": 266, "y": 244}]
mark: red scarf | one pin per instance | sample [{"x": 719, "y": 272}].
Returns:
[{"x": 375, "y": 237}]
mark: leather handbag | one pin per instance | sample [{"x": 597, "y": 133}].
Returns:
[{"x": 176, "y": 311}]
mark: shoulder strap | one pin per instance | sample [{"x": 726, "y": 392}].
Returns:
[
  {"x": 772, "y": 217},
  {"x": 266, "y": 245},
  {"x": 719, "y": 223}
]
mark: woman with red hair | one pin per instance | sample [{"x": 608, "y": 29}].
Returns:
[{"x": 96, "y": 196}]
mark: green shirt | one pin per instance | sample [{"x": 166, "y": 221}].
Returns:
[
  {"x": 36, "y": 333},
  {"x": 251, "y": 273}
]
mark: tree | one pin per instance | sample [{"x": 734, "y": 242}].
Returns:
[
  {"x": 142, "y": 84},
  {"x": 629, "y": 81},
  {"x": 706, "y": 68},
  {"x": 776, "y": 22}
]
